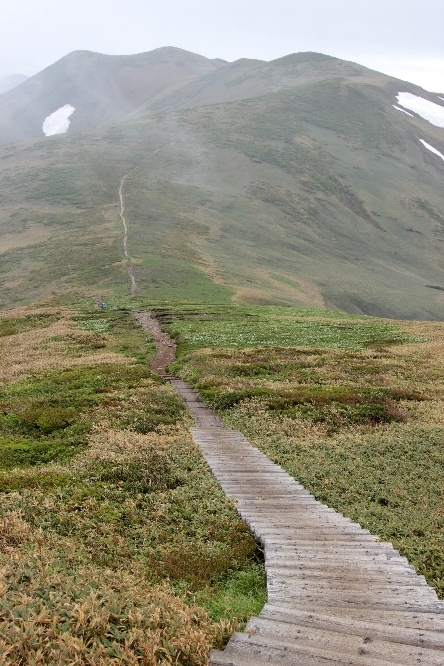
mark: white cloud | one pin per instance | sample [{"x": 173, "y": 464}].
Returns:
[
  {"x": 398, "y": 109},
  {"x": 57, "y": 122},
  {"x": 430, "y": 111},
  {"x": 432, "y": 149}
]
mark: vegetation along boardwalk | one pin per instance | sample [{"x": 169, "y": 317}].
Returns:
[{"x": 336, "y": 594}]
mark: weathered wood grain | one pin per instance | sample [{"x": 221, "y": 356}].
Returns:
[{"x": 336, "y": 594}]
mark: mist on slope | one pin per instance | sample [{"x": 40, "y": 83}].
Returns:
[{"x": 11, "y": 81}]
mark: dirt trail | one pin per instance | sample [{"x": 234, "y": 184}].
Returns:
[
  {"x": 122, "y": 210},
  {"x": 129, "y": 267},
  {"x": 166, "y": 347}
]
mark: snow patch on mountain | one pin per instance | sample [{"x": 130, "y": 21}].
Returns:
[
  {"x": 57, "y": 122},
  {"x": 432, "y": 149},
  {"x": 430, "y": 111},
  {"x": 403, "y": 110}
]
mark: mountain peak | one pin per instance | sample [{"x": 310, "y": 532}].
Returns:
[{"x": 108, "y": 88}]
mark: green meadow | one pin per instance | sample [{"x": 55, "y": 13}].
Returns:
[
  {"x": 111, "y": 523},
  {"x": 113, "y": 531},
  {"x": 351, "y": 407}
]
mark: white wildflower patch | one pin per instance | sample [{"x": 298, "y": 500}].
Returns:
[
  {"x": 433, "y": 113},
  {"x": 100, "y": 326},
  {"x": 432, "y": 149},
  {"x": 57, "y": 122},
  {"x": 285, "y": 332}
]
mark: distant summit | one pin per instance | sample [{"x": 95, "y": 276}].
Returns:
[
  {"x": 104, "y": 89},
  {"x": 11, "y": 81},
  {"x": 307, "y": 180}
]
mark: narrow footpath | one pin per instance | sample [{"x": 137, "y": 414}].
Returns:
[
  {"x": 129, "y": 266},
  {"x": 336, "y": 594}
]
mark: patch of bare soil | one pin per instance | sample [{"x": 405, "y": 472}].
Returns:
[
  {"x": 166, "y": 347},
  {"x": 98, "y": 300}
]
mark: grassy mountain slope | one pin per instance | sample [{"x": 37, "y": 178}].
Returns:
[
  {"x": 105, "y": 89},
  {"x": 247, "y": 78},
  {"x": 102, "y": 88},
  {"x": 317, "y": 195},
  {"x": 117, "y": 545},
  {"x": 112, "y": 527}
]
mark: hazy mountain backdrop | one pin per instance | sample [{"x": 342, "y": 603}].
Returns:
[
  {"x": 289, "y": 182},
  {"x": 11, "y": 81},
  {"x": 106, "y": 89}
]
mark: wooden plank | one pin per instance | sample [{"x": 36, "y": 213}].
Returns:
[
  {"x": 391, "y": 578},
  {"x": 345, "y": 589},
  {"x": 289, "y": 653},
  {"x": 331, "y": 584},
  {"x": 336, "y": 640},
  {"x": 355, "y": 603},
  {"x": 415, "y": 629}
]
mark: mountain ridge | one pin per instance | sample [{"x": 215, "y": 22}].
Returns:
[
  {"x": 104, "y": 89},
  {"x": 319, "y": 194}
]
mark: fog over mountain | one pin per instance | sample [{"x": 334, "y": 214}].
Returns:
[
  {"x": 11, "y": 81},
  {"x": 304, "y": 180},
  {"x": 401, "y": 39},
  {"x": 104, "y": 89}
]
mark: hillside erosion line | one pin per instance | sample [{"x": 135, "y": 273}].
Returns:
[
  {"x": 129, "y": 266},
  {"x": 336, "y": 594}
]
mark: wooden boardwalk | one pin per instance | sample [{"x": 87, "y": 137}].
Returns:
[{"x": 336, "y": 595}]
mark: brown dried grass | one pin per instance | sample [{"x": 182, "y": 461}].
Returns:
[
  {"x": 60, "y": 601},
  {"x": 52, "y": 612},
  {"x": 60, "y": 345}
]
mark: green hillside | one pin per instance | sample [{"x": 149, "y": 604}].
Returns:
[
  {"x": 117, "y": 545},
  {"x": 262, "y": 212},
  {"x": 105, "y": 89},
  {"x": 321, "y": 195}
]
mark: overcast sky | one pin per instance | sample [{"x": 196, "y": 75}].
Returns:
[{"x": 399, "y": 37}]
